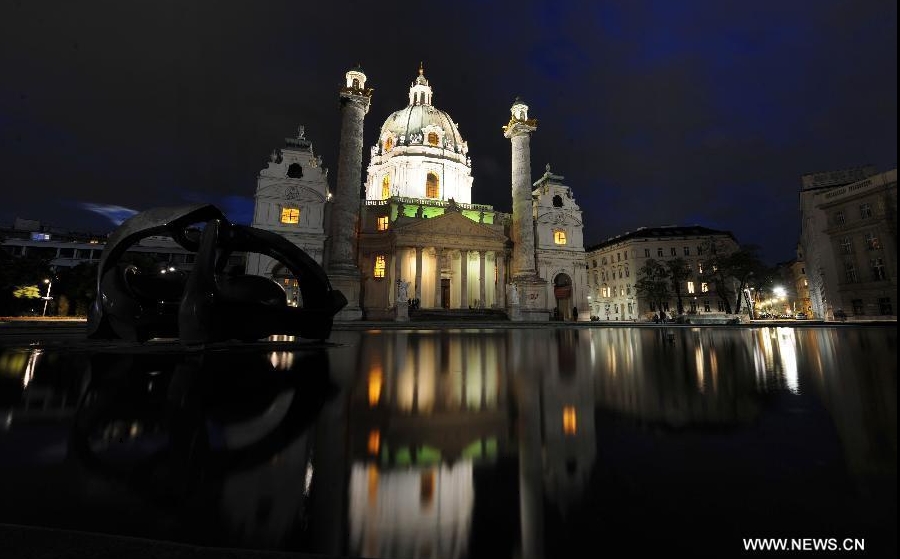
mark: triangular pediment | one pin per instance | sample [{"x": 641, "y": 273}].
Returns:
[{"x": 451, "y": 225}]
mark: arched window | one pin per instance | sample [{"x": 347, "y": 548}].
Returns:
[
  {"x": 355, "y": 83},
  {"x": 432, "y": 184},
  {"x": 295, "y": 171},
  {"x": 557, "y": 201},
  {"x": 386, "y": 187},
  {"x": 433, "y": 138},
  {"x": 388, "y": 144}
]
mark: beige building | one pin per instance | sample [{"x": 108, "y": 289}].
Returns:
[
  {"x": 613, "y": 266},
  {"x": 849, "y": 237}
]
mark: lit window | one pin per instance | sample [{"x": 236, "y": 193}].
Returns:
[
  {"x": 386, "y": 187},
  {"x": 290, "y": 215},
  {"x": 559, "y": 237},
  {"x": 383, "y": 223},
  {"x": 690, "y": 286},
  {"x": 388, "y": 144},
  {"x": 704, "y": 287},
  {"x": 570, "y": 420},
  {"x": 432, "y": 138},
  {"x": 379, "y": 266},
  {"x": 431, "y": 186}
]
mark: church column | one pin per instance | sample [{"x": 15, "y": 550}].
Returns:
[
  {"x": 481, "y": 277},
  {"x": 398, "y": 267},
  {"x": 418, "y": 273},
  {"x": 500, "y": 286},
  {"x": 519, "y": 132},
  {"x": 464, "y": 279},
  {"x": 438, "y": 251},
  {"x": 343, "y": 269}
]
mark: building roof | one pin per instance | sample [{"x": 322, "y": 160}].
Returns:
[{"x": 666, "y": 231}]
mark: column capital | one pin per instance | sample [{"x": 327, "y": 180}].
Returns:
[{"x": 517, "y": 127}]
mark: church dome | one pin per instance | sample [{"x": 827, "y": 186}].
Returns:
[{"x": 421, "y": 123}]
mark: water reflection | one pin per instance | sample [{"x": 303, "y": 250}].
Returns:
[{"x": 520, "y": 443}]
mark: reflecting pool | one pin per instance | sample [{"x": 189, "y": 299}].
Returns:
[{"x": 462, "y": 443}]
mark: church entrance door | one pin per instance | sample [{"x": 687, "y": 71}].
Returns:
[
  {"x": 562, "y": 289},
  {"x": 445, "y": 293}
]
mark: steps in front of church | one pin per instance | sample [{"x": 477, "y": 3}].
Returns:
[{"x": 437, "y": 315}]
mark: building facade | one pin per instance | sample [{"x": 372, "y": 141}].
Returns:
[
  {"x": 849, "y": 237},
  {"x": 613, "y": 269}
]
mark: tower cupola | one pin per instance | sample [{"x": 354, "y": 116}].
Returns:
[{"x": 420, "y": 92}]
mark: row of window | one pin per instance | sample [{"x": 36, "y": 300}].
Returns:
[
  {"x": 871, "y": 243},
  {"x": 432, "y": 138},
  {"x": 865, "y": 212},
  {"x": 884, "y": 306},
  {"x": 660, "y": 252},
  {"x": 876, "y": 266},
  {"x": 432, "y": 186}
]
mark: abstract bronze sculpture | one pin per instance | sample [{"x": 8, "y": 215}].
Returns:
[{"x": 208, "y": 304}]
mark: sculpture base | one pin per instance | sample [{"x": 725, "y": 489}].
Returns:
[
  {"x": 347, "y": 282},
  {"x": 402, "y": 311},
  {"x": 532, "y": 299}
]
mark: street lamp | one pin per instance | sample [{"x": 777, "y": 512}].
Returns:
[{"x": 47, "y": 297}]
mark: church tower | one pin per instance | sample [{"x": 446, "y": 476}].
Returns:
[{"x": 290, "y": 198}]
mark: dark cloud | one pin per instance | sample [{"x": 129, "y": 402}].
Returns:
[{"x": 656, "y": 112}]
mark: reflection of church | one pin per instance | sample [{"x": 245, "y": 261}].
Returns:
[{"x": 417, "y": 223}]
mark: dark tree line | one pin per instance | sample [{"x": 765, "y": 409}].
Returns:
[{"x": 730, "y": 272}]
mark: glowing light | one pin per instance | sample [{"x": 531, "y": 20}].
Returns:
[
  {"x": 31, "y": 366},
  {"x": 374, "y": 442},
  {"x": 376, "y": 380},
  {"x": 570, "y": 420}
]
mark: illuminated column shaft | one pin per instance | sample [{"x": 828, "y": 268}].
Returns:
[
  {"x": 345, "y": 204},
  {"x": 519, "y": 132},
  {"x": 464, "y": 279},
  {"x": 418, "y": 273},
  {"x": 438, "y": 251}
]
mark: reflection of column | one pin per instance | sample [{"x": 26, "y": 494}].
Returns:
[
  {"x": 531, "y": 491},
  {"x": 464, "y": 279},
  {"x": 437, "y": 276},
  {"x": 481, "y": 277},
  {"x": 418, "y": 273}
]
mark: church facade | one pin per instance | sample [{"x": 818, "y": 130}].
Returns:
[{"x": 417, "y": 239}]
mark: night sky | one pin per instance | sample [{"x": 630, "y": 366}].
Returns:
[{"x": 657, "y": 113}]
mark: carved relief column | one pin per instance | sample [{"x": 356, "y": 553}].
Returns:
[
  {"x": 418, "y": 273},
  {"x": 481, "y": 278},
  {"x": 464, "y": 279},
  {"x": 531, "y": 288},
  {"x": 342, "y": 267}
]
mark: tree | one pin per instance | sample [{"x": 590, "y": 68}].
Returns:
[
  {"x": 653, "y": 283},
  {"x": 78, "y": 285},
  {"x": 679, "y": 272},
  {"x": 17, "y": 273},
  {"x": 733, "y": 270}
]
